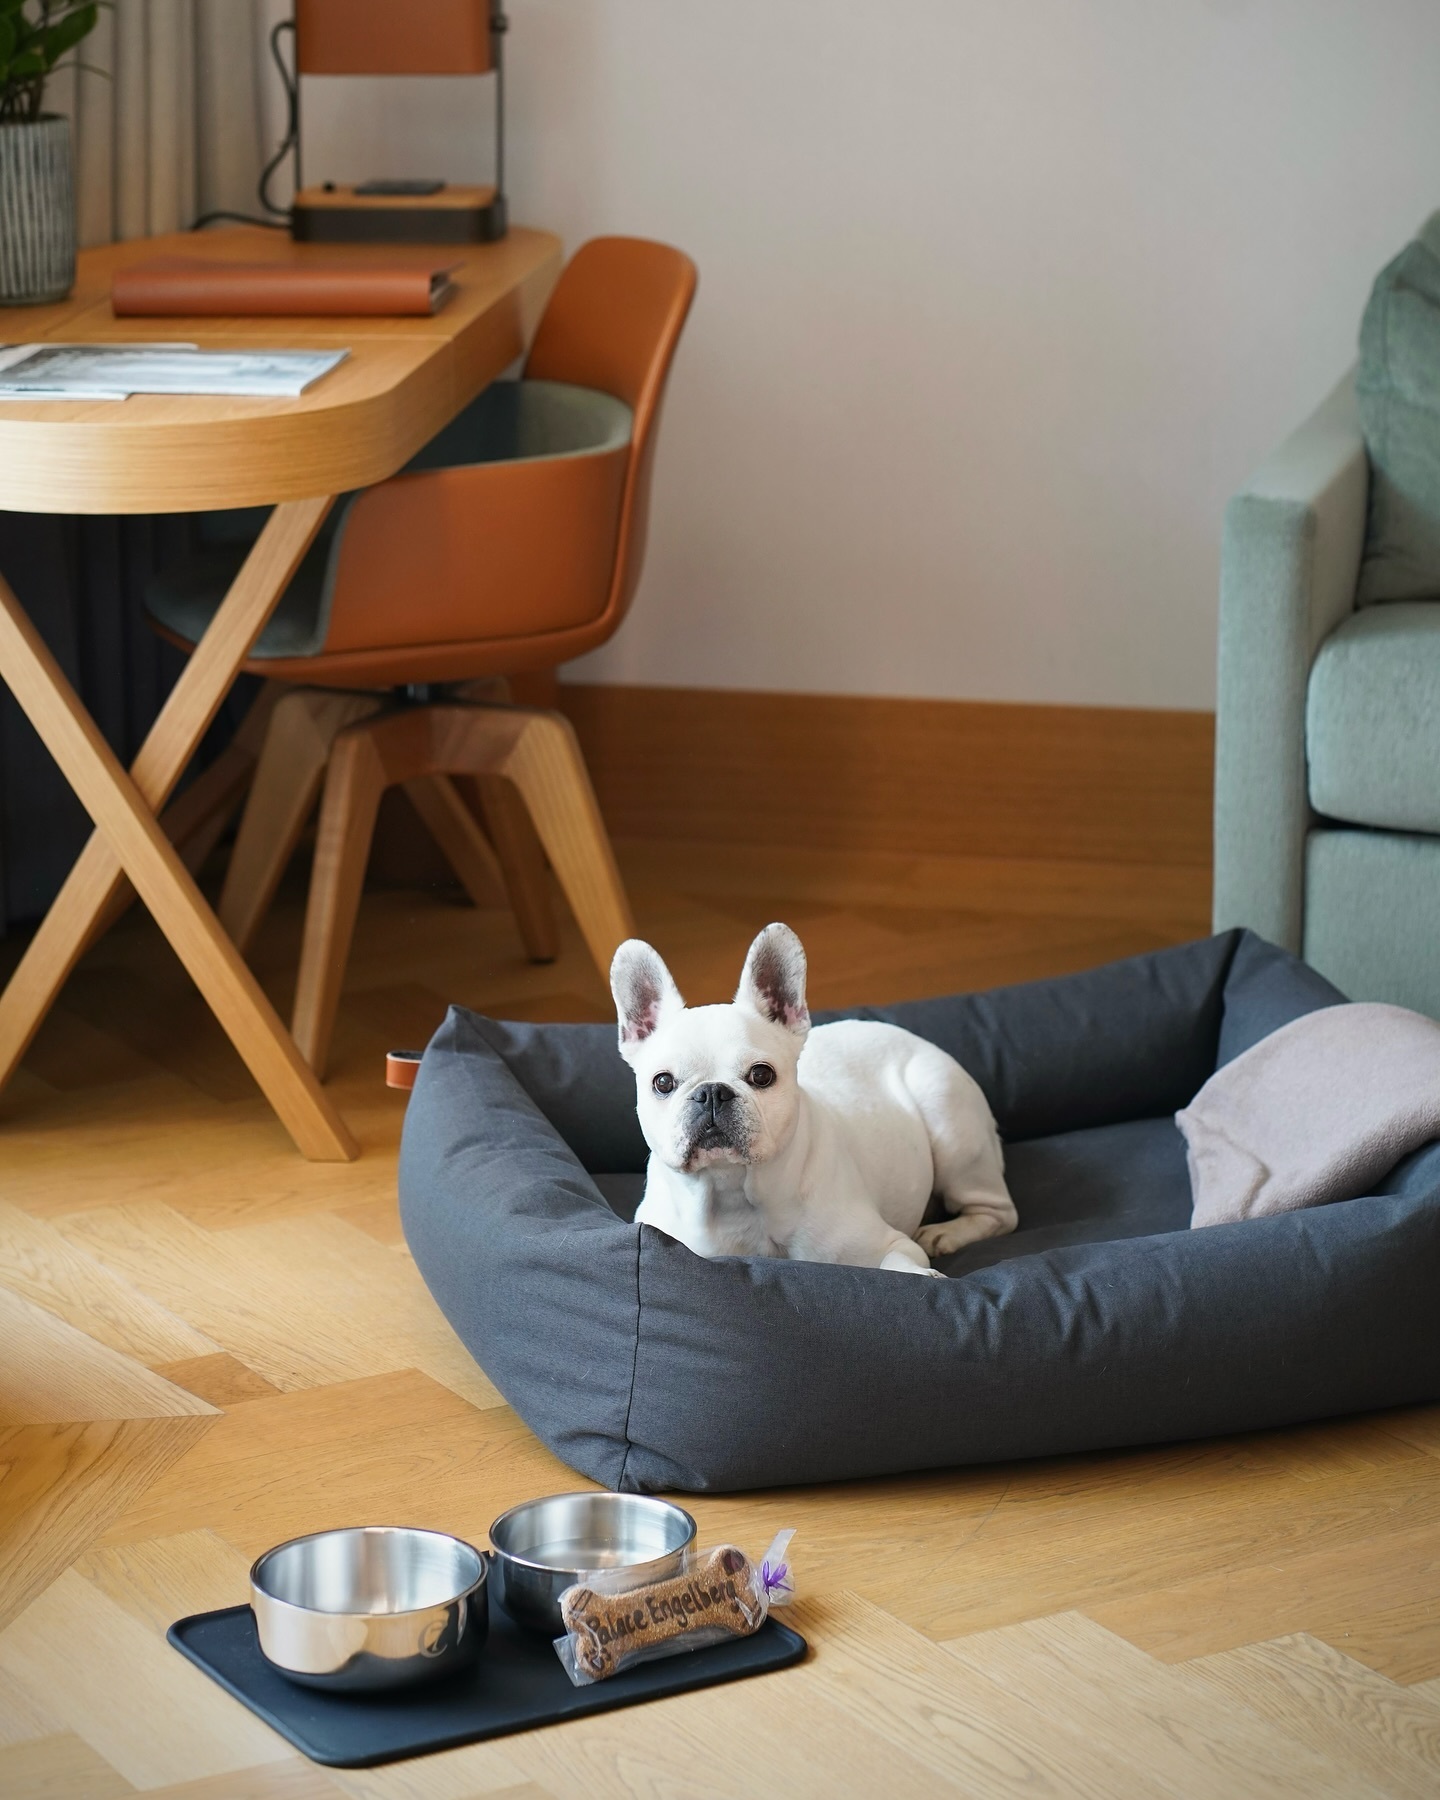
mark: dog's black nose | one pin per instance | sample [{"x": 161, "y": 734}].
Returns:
[{"x": 710, "y": 1096}]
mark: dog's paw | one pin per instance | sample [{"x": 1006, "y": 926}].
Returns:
[
  {"x": 905, "y": 1262},
  {"x": 950, "y": 1235}
]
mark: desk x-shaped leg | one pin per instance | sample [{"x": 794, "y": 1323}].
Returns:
[{"x": 130, "y": 841}]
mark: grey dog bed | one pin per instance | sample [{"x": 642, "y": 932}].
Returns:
[{"x": 1102, "y": 1321}]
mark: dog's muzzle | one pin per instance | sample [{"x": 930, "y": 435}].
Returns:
[{"x": 712, "y": 1118}]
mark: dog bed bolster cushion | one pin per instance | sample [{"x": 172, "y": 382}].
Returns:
[{"x": 1103, "y": 1321}]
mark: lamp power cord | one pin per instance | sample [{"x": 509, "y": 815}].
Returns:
[{"x": 279, "y": 216}]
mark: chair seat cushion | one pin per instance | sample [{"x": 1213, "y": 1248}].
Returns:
[
  {"x": 1102, "y": 1321},
  {"x": 184, "y": 597},
  {"x": 509, "y": 421},
  {"x": 514, "y": 420},
  {"x": 1372, "y": 727}
]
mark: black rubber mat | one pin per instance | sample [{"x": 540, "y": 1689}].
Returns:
[{"x": 517, "y": 1684}]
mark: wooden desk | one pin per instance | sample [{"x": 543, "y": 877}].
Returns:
[{"x": 404, "y": 379}]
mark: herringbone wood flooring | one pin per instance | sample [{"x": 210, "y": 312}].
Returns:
[{"x": 209, "y": 1345}]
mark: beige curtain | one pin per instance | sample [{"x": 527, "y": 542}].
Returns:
[{"x": 185, "y": 115}]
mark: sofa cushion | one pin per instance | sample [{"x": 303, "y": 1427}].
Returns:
[
  {"x": 1372, "y": 719},
  {"x": 1372, "y": 914},
  {"x": 1398, "y": 384}
]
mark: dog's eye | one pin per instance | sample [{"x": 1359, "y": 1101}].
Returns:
[
  {"x": 761, "y": 1076},
  {"x": 664, "y": 1082}
]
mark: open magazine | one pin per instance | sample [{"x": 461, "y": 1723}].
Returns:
[{"x": 115, "y": 371}]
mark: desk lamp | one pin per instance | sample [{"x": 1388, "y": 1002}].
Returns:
[{"x": 418, "y": 37}]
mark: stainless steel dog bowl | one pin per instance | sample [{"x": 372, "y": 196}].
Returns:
[
  {"x": 544, "y": 1546},
  {"x": 374, "y": 1607}
]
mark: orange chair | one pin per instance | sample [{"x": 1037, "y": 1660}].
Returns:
[{"x": 513, "y": 543}]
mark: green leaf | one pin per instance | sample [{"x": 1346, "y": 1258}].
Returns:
[
  {"x": 67, "y": 33},
  {"x": 32, "y": 42}
]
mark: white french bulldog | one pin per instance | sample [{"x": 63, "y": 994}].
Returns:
[{"x": 769, "y": 1139}]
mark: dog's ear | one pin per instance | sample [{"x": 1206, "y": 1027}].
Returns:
[
  {"x": 645, "y": 993},
  {"x": 773, "y": 983}
]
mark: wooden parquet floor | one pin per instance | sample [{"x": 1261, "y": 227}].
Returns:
[{"x": 207, "y": 1345}]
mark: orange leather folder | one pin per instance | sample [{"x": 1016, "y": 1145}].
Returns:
[{"x": 192, "y": 285}]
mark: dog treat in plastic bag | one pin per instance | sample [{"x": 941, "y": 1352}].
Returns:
[{"x": 718, "y": 1594}]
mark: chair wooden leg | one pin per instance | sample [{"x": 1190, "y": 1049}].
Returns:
[
  {"x": 196, "y": 820},
  {"x": 287, "y": 781},
  {"x": 353, "y": 787},
  {"x": 547, "y": 767},
  {"x": 454, "y": 828},
  {"x": 522, "y": 863},
  {"x": 496, "y": 746}
]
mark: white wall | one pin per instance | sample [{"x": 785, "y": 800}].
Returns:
[{"x": 999, "y": 299}]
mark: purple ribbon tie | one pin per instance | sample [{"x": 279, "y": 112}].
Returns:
[{"x": 775, "y": 1581}]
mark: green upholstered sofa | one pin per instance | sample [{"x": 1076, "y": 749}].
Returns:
[{"x": 1327, "y": 780}]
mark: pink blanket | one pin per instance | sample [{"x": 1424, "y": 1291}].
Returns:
[{"x": 1320, "y": 1110}]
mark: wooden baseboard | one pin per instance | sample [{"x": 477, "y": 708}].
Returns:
[{"x": 1102, "y": 784}]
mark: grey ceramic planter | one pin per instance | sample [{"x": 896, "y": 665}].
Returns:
[{"x": 37, "y": 212}]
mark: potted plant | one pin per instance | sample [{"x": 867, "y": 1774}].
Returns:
[{"x": 37, "y": 184}]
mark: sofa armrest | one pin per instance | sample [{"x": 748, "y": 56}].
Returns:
[{"x": 1288, "y": 570}]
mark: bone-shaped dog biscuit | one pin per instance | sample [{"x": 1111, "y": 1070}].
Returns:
[{"x": 605, "y": 1629}]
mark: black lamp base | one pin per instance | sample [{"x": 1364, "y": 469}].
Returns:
[{"x": 455, "y": 215}]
